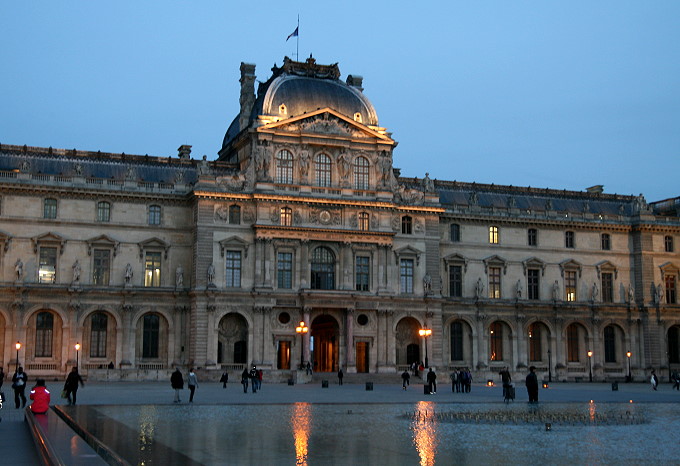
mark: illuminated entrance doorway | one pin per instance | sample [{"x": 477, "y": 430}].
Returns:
[
  {"x": 362, "y": 356},
  {"x": 325, "y": 338}
]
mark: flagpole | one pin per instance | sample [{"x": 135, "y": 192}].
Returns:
[{"x": 297, "y": 40}]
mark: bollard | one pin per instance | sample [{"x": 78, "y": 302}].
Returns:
[
  {"x": 324, "y": 384},
  {"x": 615, "y": 386},
  {"x": 291, "y": 382},
  {"x": 369, "y": 386}
]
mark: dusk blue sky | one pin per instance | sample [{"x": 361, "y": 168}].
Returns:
[{"x": 559, "y": 94}]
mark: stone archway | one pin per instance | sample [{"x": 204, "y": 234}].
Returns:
[
  {"x": 325, "y": 337},
  {"x": 232, "y": 339},
  {"x": 408, "y": 342}
]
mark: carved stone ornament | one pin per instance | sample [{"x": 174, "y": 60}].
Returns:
[
  {"x": 234, "y": 183},
  {"x": 274, "y": 215},
  {"x": 248, "y": 215},
  {"x": 325, "y": 124},
  {"x": 409, "y": 196},
  {"x": 221, "y": 213}
]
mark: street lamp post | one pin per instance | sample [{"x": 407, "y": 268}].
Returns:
[
  {"x": 549, "y": 366},
  {"x": 590, "y": 364},
  {"x": 302, "y": 329},
  {"x": 630, "y": 378},
  {"x": 425, "y": 332},
  {"x": 77, "y": 351},
  {"x": 18, "y": 347}
]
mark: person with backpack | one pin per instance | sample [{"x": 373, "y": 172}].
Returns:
[{"x": 19, "y": 380}]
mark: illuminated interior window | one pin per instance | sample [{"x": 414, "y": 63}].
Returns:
[
  {"x": 286, "y": 216},
  {"x": 47, "y": 271},
  {"x": 152, "y": 269},
  {"x": 363, "y": 221},
  {"x": 283, "y": 110},
  {"x": 493, "y": 235},
  {"x": 570, "y": 285},
  {"x": 357, "y": 117},
  {"x": 361, "y": 171}
]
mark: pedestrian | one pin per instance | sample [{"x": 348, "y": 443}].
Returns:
[
  {"x": 253, "y": 379},
  {"x": 71, "y": 385},
  {"x": 2, "y": 377},
  {"x": 405, "y": 379},
  {"x": 192, "y": 383},
  {"x": 432, "y": 381},
  {"x": 259, "y": 379},
  {"x": 506, "y": 378},
  {"x": 532, "y": 385},
  {"x": 244, "y": 380},
  {"x": 468, "y": 380},
  {"x": 41, "y": 398},
  {"x": 454, "y": 380},
  {"x": 654, "y": 380},
  {"x": 19, "y": 380},
  {"x": 340, "y": 376},
  {"x": 676, "y": 379},
  {"x": 308, "y": 368},
  {"x": 224, "y": 379},
  {"x": 177, "y": 383}
]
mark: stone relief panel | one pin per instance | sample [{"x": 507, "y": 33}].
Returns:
[{"x": 325, "y": 216}]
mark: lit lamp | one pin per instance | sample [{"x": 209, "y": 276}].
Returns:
[
  {"x": 590, "y": 364},
  {"x": 77, "y": 350},
  {"x": 545, "y": 385},
  {"x": 629, "y": 354},
  {"x": 425, "y": 332},
  {"x": 489, "y": 383},
  {"x": 302, "y": 329},
  {"x": 18, "y": 347}
]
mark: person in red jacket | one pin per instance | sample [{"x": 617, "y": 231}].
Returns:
[{"x": 41, "y": 398}]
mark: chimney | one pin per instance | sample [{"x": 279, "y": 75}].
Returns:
[
  {"x": 247, "y": 93},
  {"x": 356, "y": 81},
  {"x": 184, "y": 152},
  {"x": 597, "y": 189}
]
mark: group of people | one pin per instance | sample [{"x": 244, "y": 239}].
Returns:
[
  {"x": 254, "y": 376},
  {"x": 461, "y": 380},
  {"x": 39, "y": 393},
  {"x": 177, "y": 383}
]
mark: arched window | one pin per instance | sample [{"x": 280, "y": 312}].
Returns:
[
  {"x": 609, "y": 344},
  {"x": 284, "y": 167},
  {"x": 44, "y": 324},
  {"x": 322, "y": 170},
  {"x": 103, "y": 211},
  {"x": 457, "y": 341},
  {"x": 573, "y": 350},
  {"x": 98, "y": 326},
  {"x": 363, "y": 221},
  {"x": 234, "y": 215},
  {"x": 286, "y": 216},
  {"x": 150, "y": 336},
  {"x": 323, "y": 269},
  {"x": 361, "y": 170}
]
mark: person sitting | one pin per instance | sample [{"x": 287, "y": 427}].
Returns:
[{"x": 41, "y": 398}]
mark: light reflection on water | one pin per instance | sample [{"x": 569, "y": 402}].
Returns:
[
  {"x": 425, "y": 434},
  {"x": 301, "y": 423}
]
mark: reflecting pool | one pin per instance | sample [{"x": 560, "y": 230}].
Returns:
[{"x": 311, "y": 434}]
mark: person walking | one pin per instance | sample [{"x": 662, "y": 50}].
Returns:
[
  {"x": 308, "y": 369},
  {"x": 177, "y": 383},
  {"x": 432, "y": 381},
  {"x": 532, "y": 385},
  {"x": 244, "y": 380},
  {"x": 405, "y": 379},
  {"x": 41, "y": 398},
  {"x": 71, "y": 385},
  {"x": 506, "y": 378},
  {"x": 253, "y": 379},
  {"x": 340, "y": 376},
  {"x": 676, "y": 380},
  {"x": 192, "y": 383},
  {"x": 654, "y": 380},
  {"x": 224, "y": 379},
  {"x": 259, "y": 379},
  {"x": 454, "y": 380},
  {"x": 19, "y": 380}
]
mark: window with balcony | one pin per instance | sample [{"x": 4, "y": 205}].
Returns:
[
  {"x": 362, "y": 273},
  {"x": 101, "y": 266},
  {"x": 323, "y": 269},
  {"x": 284, "y": 270},
  {"x": 233, "y": 269},
  {"x": 98, "y": 334},
  {"x": 152, "y": 269},
  {"x": 47, "y": 268},
  {"x": 44, "y": 328},
  {"x": 406, "y": 271}
]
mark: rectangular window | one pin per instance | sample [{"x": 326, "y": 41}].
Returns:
[
  {"x": 572, "y": 344},
  {"x": 284, "y": 270},
  {"x": 570, "y": 285},
  {"x": 607, "y": 287},
  {"x": 101, "y": 266},
  {"x": 496, "y": 340},
  {"x": 533, "y": 284},
  {"x": 494, "y": 282},
  {"x": 668, "y": 243},
  {"x": 455, "y": 281},
  {"x": 47, "y": 272},
  {"x": 609, "y": 344},
  {"x": 454, "y": 233},
  {"x": 569, "y": 239},
  {"x": 50, "y": 208},
  {"x": 233, "y": 269},
  {"x": 406, "y": 275},
  {"x": 286, "y": 216},
  {"x": 44, "y": 335},
  {"x": 606, "y": 242},
  {"x": 532, "y": 237},
  {"x": 103, "y": 211},
  {"x": 406, "y": 225},
  {"x": 98, "y": 326},
  {"x": 457, "y": 341},
  {"x": 362, "y": 273},
  {"x": 154, "y": 215},
  {"x": 493, "y": 235},
  {"x": 670, "y": 289},
  {"x": 152, "y": 269},
  {"x": 535, "y": 350}
]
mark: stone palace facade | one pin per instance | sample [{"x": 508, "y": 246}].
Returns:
[{"x": 151, "y": 262}]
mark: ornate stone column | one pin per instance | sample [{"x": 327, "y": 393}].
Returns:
[
  {"x": 128, "y": 354},
  {"x": 304, "y": 264},
  {"x": 349, "y": 341},
  {"x": 306, "y": 317}
]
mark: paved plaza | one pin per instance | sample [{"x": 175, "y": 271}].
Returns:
[{"x": 17, "y": 445}]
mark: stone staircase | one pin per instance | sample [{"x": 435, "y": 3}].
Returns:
[{"x": 362, "y": 378}]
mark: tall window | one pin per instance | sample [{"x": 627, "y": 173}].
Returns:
[
  {"x": 233, "y": 272},
  {"x": 605, "y": 241},
  {"x": 154, "y": 215},
  {"x": 47, "y": 271},
  {"x": 494, "y": 282},
  {"x": 286, "y": 216},
  {"x": 670, "y": 288},
  {"x": 50, "y": 208},
  {"x": 457, "y": 341},
  {"x": 323, "y": 269},
  {"x": 496, "y": 339},
  {"x": 609, "y": 344},
  {"x": 101, "y": 266},
  {"x": 284, "y": 167},
  {"x": 322, "y": 170},
  {"x": 668, "y": 243},
  {"x": 406, "y": 275},
  {"x": 103, "y": 211},
  {"x": 152, "y": 269},
  {"x": 284, "y": 270},
  {"x": 455, "y": 281},
  {"x": 406, "y": 225},
  {"x": 533, "y": 284},
  {"x": 363, "y": 221},
  {"x": 454, "y": 232},
  {"x": 607, "y": 287},
  {"x": 493, "y": 235},
  {"x": 535, "y": 350},
  {"x": 573, "y": 343},
  {"x": 362, "y": 273},
  {"x": 532, "y": 237},
  {"x": 570, "y": 284},
  {"x": 44, "y": 323},
  {"x": 568, "y": 239},
  {"x": 150, "y": 336},
  {"x": 234, "y": 214},
  {"x": 361, "y": 170},
  {"x": 98, "y": 327}
]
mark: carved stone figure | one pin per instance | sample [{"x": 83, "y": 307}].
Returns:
[
  {"x": 640, "y": 203},
  {"x": 203, "y": 168},
  {"x": 473, "y": 199},
  {"x": 479, "y": 288},
  {"x": 659, "y": 294},
  {"x": 211, "y": 275},
  {"x": 19, "y": 270},
  {"x": 304, "y": 163},
  {"x": 385, "y": 167},
  {"x": 594, "y": 293},
  {"x": 512, "y": 202},
  {"x": 130, "y": 173},
  {"x": 343, "y": 166},
  {"x": 179, "y": 176},
  {"x": 427, "y": 284},
  {"x": 179, "y": 277},
  {"x": 631, "y": 293},
  {"x": 262, "y": 162},
  {"x": 78, "y": 169},
  {"x": 518, "y": 289},
  {"x": 128, "y": 274},
  {"x": 556, "y": 291},
  {"x": 428, "y": 184},
  {"x": 76, "y": 271}
]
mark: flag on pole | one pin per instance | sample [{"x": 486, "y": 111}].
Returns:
[{"x": 293, "y": 34}]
